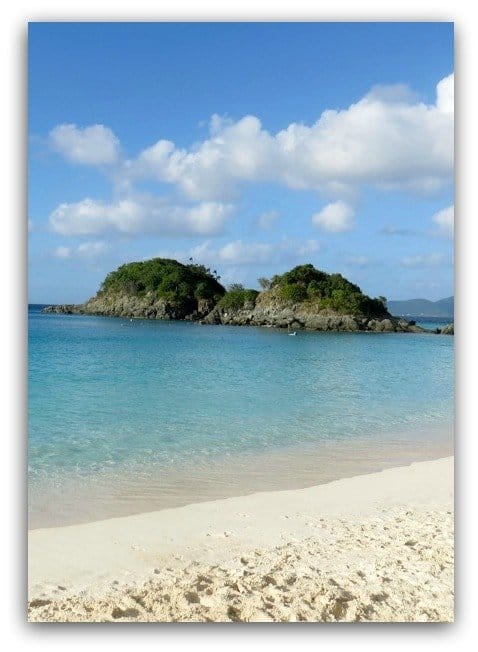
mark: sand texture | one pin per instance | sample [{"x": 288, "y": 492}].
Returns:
[{"x": 377, "y": 547}]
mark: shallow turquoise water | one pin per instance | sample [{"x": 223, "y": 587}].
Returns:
[{"x": 118, "y": 397}]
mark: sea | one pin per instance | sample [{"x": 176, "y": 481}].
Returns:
[{"x": 127, "y": 416}]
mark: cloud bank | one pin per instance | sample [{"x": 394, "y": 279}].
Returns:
[
  {"x": 139, "y": 215},
  {"x": 388, "y": 139},
  {"x": 238, "y": 253}
]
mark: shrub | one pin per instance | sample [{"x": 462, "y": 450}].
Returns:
[
  {"x": 305, "y": 283},
  {"x": 237, "y": 297},
  {"x": 293, "y": 292},
  {"x": 166, "y": 278}
]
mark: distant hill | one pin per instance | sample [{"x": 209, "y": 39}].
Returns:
[{"x": 422, "y": 307}]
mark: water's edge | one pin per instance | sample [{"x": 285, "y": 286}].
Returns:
[{"x": 288, "y": 468}]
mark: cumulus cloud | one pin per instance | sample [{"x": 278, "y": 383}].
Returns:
[
  {"x": 246, "y": 253},
  {"x": 137, "y": 215},
  {"x": 94, "y": 145},
  {"x": 446, "y": 94},
  {"x": 239, "y": 252},
  {"x": 336, "y": 218},
  {"x": 83, "y": 250},
  {"x": 424, "y": 260},
  {"x": 445, "y": 219},
  {"x": 92, "y": 249},
  {"x": 387, "y": 139}
]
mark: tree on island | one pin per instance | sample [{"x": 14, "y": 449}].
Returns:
[{"x": 167, "y": 279}]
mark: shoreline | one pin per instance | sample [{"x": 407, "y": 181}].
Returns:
[
  {"x": 382, "y": 525},
  {"x": 85, "y": 499},
  {"x": 398, "y": 321}
]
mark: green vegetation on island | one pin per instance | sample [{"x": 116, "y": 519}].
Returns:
[
  {"x": 183, "y": 285},
  {"x": 238, "y": 297},
  {"x": 306, "y": 285},
  {"x": 302, "y": 298},
  {"x": 325, "y": 291}
]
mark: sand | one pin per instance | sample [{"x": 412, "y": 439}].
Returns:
[{"x": 375, "y": 547}]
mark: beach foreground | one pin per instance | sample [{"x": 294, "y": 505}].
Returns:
[{"x": 375, "y": 547}]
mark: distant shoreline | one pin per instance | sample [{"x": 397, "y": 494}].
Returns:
[{"x": 326, "y": 323}]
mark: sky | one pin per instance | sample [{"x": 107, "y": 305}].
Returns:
[{"x": 249, "y": 147}]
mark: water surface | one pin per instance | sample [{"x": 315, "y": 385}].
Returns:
[{"x": 126, "y": 416}]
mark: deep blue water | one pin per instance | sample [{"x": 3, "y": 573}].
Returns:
[{"x": 119, "y": 396}]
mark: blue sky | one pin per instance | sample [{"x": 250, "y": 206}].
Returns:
[{"x": 250, "y": 147}]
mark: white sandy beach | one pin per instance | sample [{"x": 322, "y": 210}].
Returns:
[{"x": 375, "y": 547}]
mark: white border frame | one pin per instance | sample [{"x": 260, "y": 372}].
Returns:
[{"x": 16, "y": 632}]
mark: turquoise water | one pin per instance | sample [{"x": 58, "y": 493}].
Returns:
[
  {"x": 138, "y": 400},
  {"x": 432, "y": 323}
]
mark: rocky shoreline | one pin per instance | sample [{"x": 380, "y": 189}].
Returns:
[
  {"x": 293, "y": 317},
  {"x": 123, "y": 305}
]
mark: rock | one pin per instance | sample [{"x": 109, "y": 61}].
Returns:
[
  {"x": 146, "y": 307},
  {"x": 449, "y": 329},
  {"x": 66, "y": 309},
  {"x": 296, "y": 317}
]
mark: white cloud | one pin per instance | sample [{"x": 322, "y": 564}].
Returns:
[
  {"x": 387, "y": 139},
  {"x": 92, "y": 249},
  {"x": 83, "y": 250},
  {"x": 424, "y": 260},
  {"x": 446, "y": 94},
  {"x": 267, "y": 219},
  {"x": 62, "y": 252},
  {"x": 137, "y": 215},
  {"x": 240, "y": 252},
  {"x": 238, "y": 151},
  {"x": 246, "y": 253},
  {"x": 336, "y": 218},
  {"x": 445, "y": 219},
  {"x": 95, "y": 145},
  {"x": 392, "y": 93}
]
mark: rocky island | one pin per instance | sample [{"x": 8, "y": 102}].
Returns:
[{"x": 303, "y": 298}]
